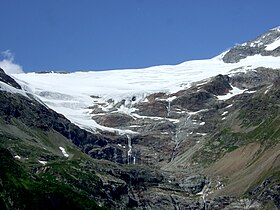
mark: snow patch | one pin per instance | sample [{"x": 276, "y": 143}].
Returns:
[
  {"x": 202, "y": 134},
  {"x": 164, "y": 133},
  {"x": 155, "y": 118},
  {"x": 268, "y": 89},
  {"x": 229, "y": 106},
  {"x": 43, "y": 162},
  {"x": 126, "y": 110},
  {"x": 235, "y": 91},
  {"x": 197, "y": 112},
  {"x": 252, "y": 91},
  {"x": 17, "y": 157},
  {"x": 273, "y": 45},
  {"x": 134, "y": 126},
  {"x": 171, "y": 98},
  {"x": 224, "y": 113},
  {"x": 64, "y": 152}
]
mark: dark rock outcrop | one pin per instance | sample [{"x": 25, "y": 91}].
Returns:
[
  {"x": 219, "y": 85},
  {"x": 268, "y": 190},
  {"x": 153, "y": 109},
  {"x": 113, "y": 120},
  {"x": 194, "y": 184},
  {"x": 8, "y": 80},
  {"x": 195, "y": 101},
  {"x": 254, "y": 79}
]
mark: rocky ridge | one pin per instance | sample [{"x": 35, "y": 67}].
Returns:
[{"x": 262, "y": 45}]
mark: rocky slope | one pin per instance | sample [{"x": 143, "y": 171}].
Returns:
[
  {"x": 265, "y": 45},
  {"x": 204, "y": 141}
]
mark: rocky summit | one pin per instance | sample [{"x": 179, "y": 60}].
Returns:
[{"x": 197, "y": 135}]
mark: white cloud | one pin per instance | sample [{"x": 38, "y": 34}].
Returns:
[
  {"x": 7, "y": 54},
  {"x": 8, "y": 65}
]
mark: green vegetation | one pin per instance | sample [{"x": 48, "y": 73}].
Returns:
[
  {"x": 266, "y": 132},
  {"x": 64, "y": 183},
  {"x": 22, "y": 190}
]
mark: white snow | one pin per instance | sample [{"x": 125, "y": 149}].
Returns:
[
  {"x": 268, "y": 89},
  {"x": 202, "y": 83},
  {"x": 155, "y": 118},
  {"x": 171, "y": 98},
  {"x": 181, "y": 112},
  {"x": 224, "y": 113},
  {"x": 17, "y": 157},
  {"x": 64, "y": 152},
  {"x": 7, "y": 88},
  {"x": 126, "y": 110},
  {"x": 134, "y": 126},
  {"x": 70, "y": 94},
  {"x": 273, "y": 45},
  {"x": 235, "y": 91},
  {"x": 202, "y": 134},
  {"x": 43, "y": 162},
  {"x": 197, "y": 112},
  {"x": 252, "y": 91},
  {"x": 229, "y": 106},
  {"x": 276, "y": 28},
  {"x": 164, "y": 133}
]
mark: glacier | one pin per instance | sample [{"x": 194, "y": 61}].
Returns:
[{"x": 73, "y": 94}]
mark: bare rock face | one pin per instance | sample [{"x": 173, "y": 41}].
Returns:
[
  {"x": 195, "y": 101},
  {"x": 113, "y": 120},
  {"x": 153, "y": 109},
  {"x": 220, "y": 85},
  {"x": 254, "y": 79},
  {"x": 194, "y": 184},
  {"x": 267, "y": 191}
]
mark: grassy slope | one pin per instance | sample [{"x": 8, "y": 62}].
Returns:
[
  {"x": 22, "y": 190},
  {"x": 27, "y": 184},
  {"x": 246, "y": 149}
]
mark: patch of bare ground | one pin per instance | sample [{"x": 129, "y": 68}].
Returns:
[
  {"x": 244, "y": 167},
  {"x": 182, "y": 162}
]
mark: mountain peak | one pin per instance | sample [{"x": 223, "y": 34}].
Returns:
[
  {"x": 268, "y": 44},
  {"x": 276, "y": 28}
]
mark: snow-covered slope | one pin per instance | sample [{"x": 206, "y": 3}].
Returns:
[{"x": 72, "y": 94}]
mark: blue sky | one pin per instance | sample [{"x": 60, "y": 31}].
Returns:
[{"x": 115, "y": 34}]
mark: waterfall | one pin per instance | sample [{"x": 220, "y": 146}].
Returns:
[
  {"x": 130, "y": 158},
  {"x": 129, "y": 149},
  {"x": 168, "y": 108}
]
